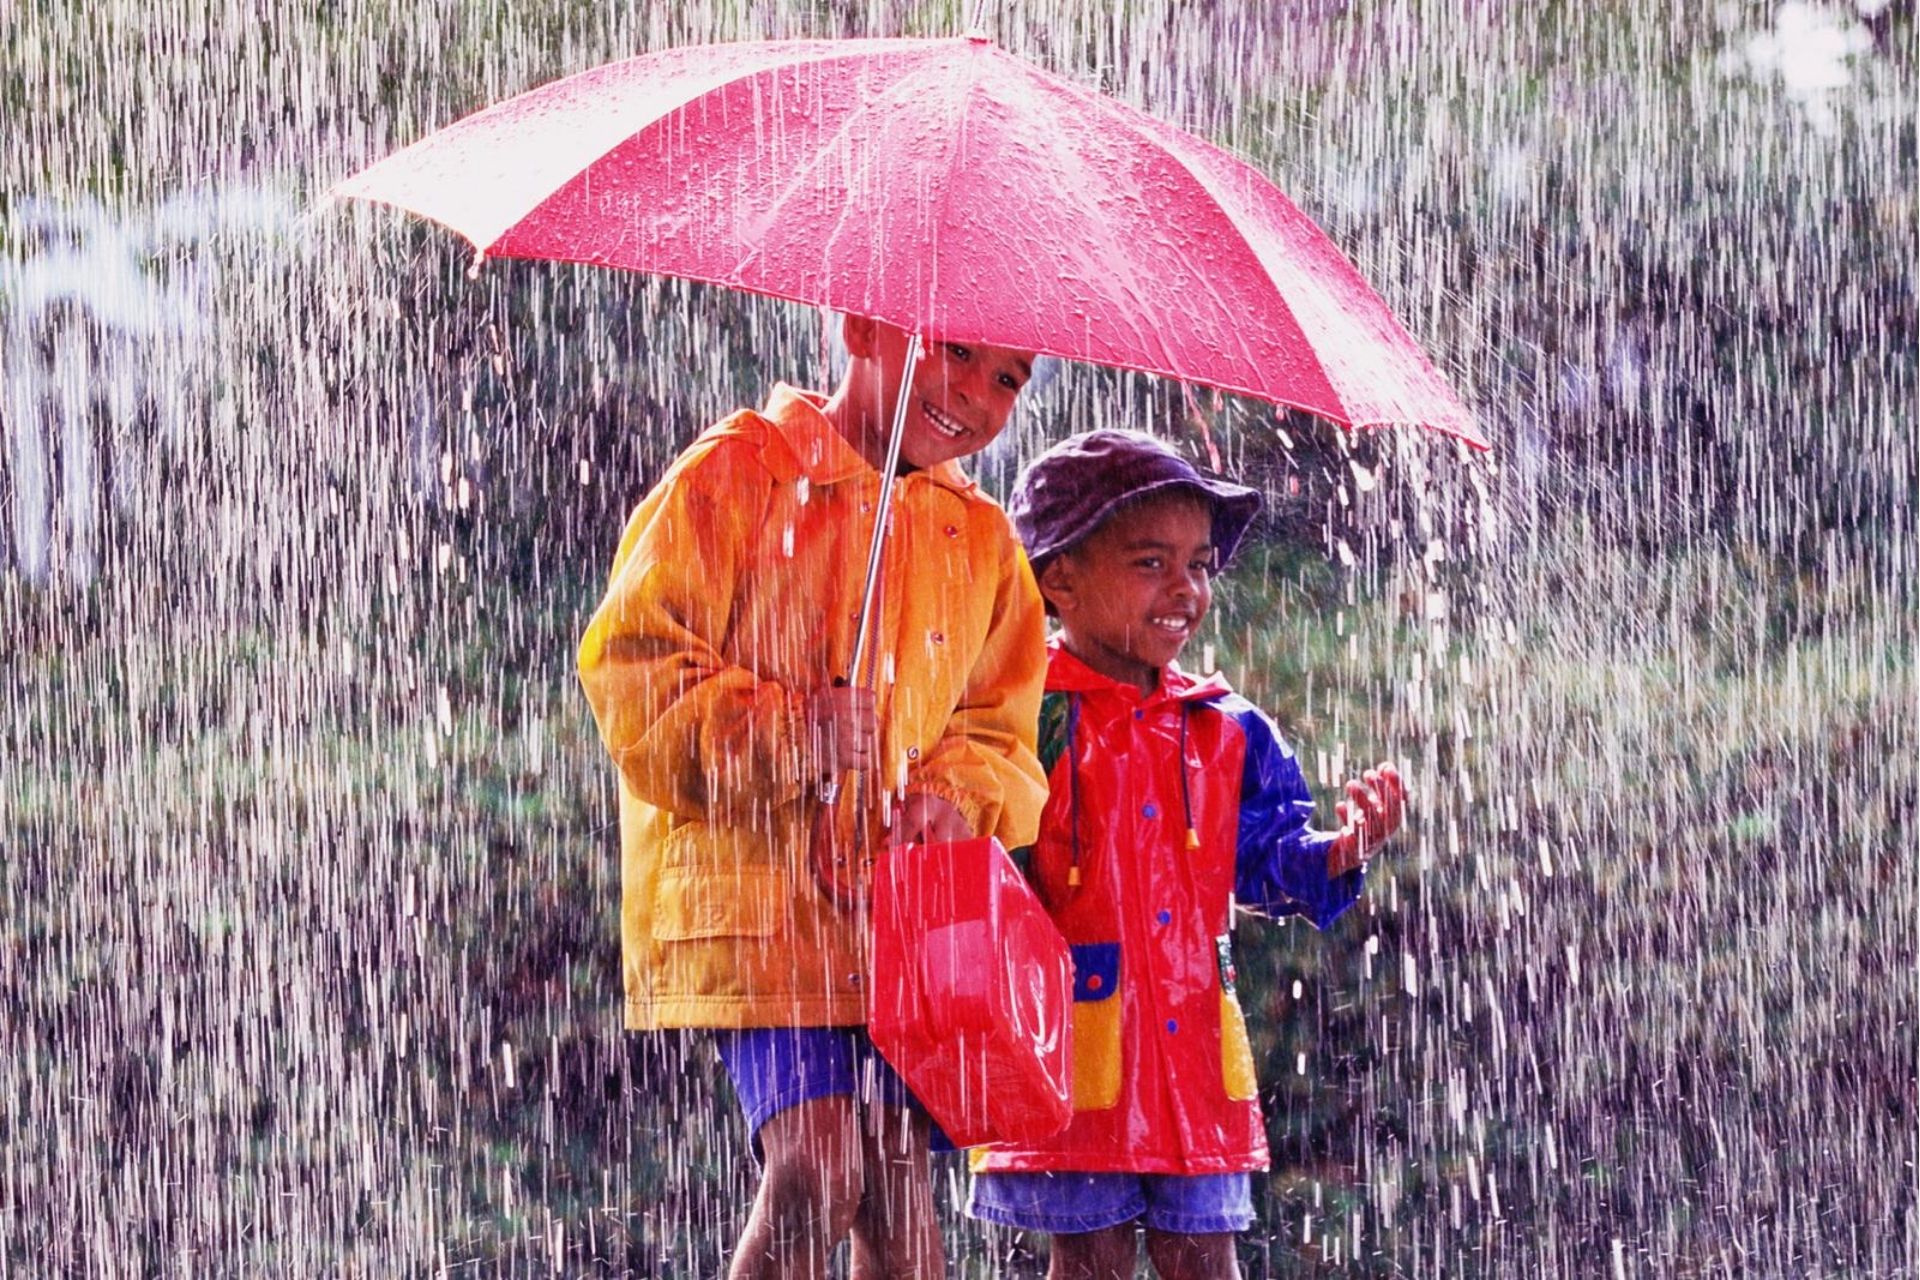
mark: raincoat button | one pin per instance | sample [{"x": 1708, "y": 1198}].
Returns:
[
  {"x": 913, "y": 753},
  {"x": 1164, "y": 916},
  {"x": 1138, "y": 714},
  {"x": 1150, "y": 811},
  {"x": 1172, "y": 1026},
  {"x": 853, "y": 979},
  {"x": 953, "y": 531},
  {"x": 939, "y": 637},
  {"x": 1094, "y": 982}
]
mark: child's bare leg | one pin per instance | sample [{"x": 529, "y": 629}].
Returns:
[
  {"x": 1193, "y": 1257},
  {"x": 1106, "y": 1254},
  {"x": 809, "y": 1191},
  {"x": 895, "y": 1232}
]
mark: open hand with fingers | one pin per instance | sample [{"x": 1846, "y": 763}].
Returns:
[{"x": 1375, "y": 804}]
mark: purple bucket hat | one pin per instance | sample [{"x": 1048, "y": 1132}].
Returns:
[{"x": 1068, "y": 491}]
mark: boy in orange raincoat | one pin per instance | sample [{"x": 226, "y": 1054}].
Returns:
[
  {"x": 716, "y": 666},
  {"x": 1173, "y": 801}
]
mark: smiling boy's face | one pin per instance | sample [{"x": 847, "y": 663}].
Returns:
[
  {"x": 960, "y": 398},
  {"x": 1132, "y": 594}
]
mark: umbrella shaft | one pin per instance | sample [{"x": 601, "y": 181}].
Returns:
[{"x": 863, "y": 635}]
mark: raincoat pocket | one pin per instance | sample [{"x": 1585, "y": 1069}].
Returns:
[
  {"x": 1096, "y": 1026},
  {"x": 741, "y": 902},
  {"x": 1236, "y": 1052}
]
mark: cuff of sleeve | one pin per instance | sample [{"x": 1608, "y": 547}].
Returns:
[
  {"x": 1321, "y": 898},
  {"x": 970, "y": 804}
]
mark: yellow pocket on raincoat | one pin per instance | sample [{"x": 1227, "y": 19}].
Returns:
[
  {"x": 1236, "y": 1051},
  {"x": 741, "y": 902},
  {"x": 1096, "y": 1026}
]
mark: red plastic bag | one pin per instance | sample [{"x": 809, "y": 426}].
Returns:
[{"x": 971, "y": 994}]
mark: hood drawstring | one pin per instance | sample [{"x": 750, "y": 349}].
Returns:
[
  {"x": 1073, "y": 792},
  {"x": 1186, "y": 786},
  {"x": 1073, "y": 787}
]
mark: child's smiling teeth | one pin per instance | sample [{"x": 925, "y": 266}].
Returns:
[
  {"x": 941, "y": 422},
  {"x": 1172, "y": 622}
]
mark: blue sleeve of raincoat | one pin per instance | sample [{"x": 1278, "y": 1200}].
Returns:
[{"x": 1280, "y": 866}]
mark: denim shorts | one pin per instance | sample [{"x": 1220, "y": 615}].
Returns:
[
  {"x": 773, "y": 1068},
  {"x": 1069, "y": 1203}
]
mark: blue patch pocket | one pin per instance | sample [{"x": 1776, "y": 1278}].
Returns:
[{"x": 1096, "y": 970}]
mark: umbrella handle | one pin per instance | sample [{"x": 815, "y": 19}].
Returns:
[
  {"x": 842, "y": 864},
  {"x": 828, "y": 790}
]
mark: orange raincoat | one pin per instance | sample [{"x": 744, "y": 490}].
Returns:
[{"x": 735, "y": 593}]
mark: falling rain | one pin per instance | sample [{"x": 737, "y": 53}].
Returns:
[{"x": 309, "y": 956}]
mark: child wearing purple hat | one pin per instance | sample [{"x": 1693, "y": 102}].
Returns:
[{"x": 1172, "y": 802}]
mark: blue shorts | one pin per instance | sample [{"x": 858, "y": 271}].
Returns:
[
  {"x": 1192, "y": 1204},
  {"x": 773, "y": 1068}
]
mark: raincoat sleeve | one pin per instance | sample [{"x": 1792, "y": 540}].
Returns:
[
  {"x": 985, "y": 763},
  {"x": 1281, "y": 864},
  {"x": 690, "y": 732}
]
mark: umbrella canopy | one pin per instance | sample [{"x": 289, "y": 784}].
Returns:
[{"x": 943, "y": 186}]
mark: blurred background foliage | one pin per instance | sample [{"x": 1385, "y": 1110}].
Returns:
[{"x": 310, "y": 877}]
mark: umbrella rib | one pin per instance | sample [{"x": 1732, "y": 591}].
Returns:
[
  {"x": 806, "y": 52},
  {"x": 1178, "y": 145},
  {"x": 1460, "y": 426},
  {"x": 831, "y": 51},
  {"x": 1131, "y": 123},
  {"x": 957, "y": 147},
  {"x": 861, "y": 112},
  {"x": 799, "y": 180}
]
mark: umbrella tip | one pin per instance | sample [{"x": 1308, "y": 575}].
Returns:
[{"x": 977, "y": 24}]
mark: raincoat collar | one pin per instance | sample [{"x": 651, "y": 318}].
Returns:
[
  {"x": 1067, "y": 674},
  {"x": 822, "y": 453}
]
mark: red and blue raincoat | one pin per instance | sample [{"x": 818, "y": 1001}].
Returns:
[{"x": 1166, "y": 810}]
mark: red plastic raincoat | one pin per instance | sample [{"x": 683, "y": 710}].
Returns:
[{"x": 1165, "y": 810}]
